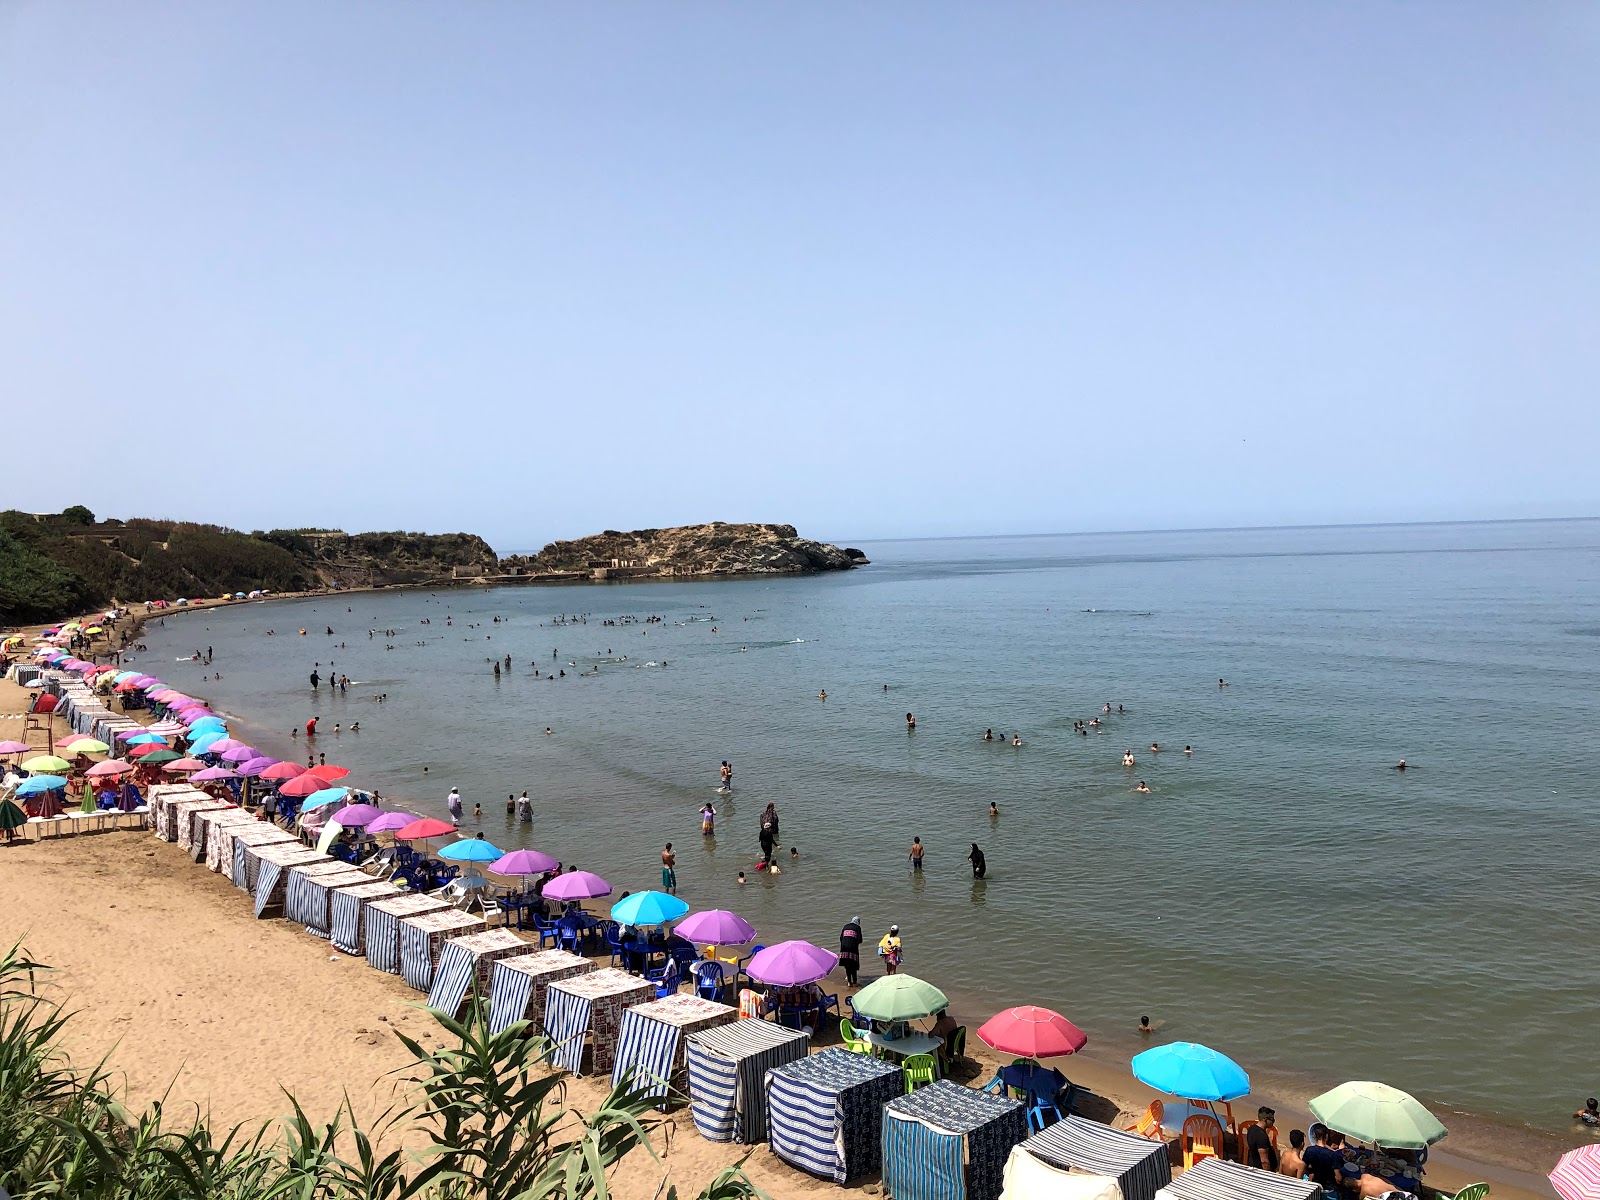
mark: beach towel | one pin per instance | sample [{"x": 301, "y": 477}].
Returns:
[
  {"x": 728, "y": 1068},
  {"x": 566, "y": 1021},
  {"x": 646, "y": 1049},
  {"x": 1138, "y": 1164}
]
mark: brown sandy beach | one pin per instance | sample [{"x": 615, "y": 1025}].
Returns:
[{"x": 197, "y": 1000}]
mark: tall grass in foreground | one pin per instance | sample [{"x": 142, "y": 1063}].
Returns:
[{"x": 492, "y": 1121}]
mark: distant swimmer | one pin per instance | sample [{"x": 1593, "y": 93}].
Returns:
[
  {"x": 1144, "y": 1026},
  {"x": 1127, "y": 758},
  {"x": 1143, "y": 787},
  {"x": 1016, "y": 739},
  {"x": 1155, "y": 748},
  {"x": 886, "y": 687},
  {"x": 1401, "y": 765},
  {"x": 547, "y": 730},
  {"x": 994, "y": 809},
  {"x": 980, "y": 866},
  {"x": 823, "y": 694},
  {"x": 1188, "y": 749},
  {"x": 727, "y": 776},
  {"x": 1222, "y": 683},
  {"x": 988, "y": 735},
  {"x": 911, "y": 722},
  {"x": 1107, "y": 708}
]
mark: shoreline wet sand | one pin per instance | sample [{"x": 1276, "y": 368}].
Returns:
[{"x": 1521, "y": 1158}]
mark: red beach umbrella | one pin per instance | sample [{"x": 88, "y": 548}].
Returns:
[
  {"x": 283, "y": 770},
  {"x": 1032, "y": 1032},
  {"x": 328, "y": 771},
  {"x": 301, "y": 785},
  {"x": 428, "y": 827},
  {"x": 144, "y": 748}
]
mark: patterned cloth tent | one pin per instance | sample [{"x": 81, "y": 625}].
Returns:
[
  {"x": 383, "y": 919},
  {"x": 346, "y": 916},
  {"x": 464, "y": 966},
  {"x": 1213, "y": 1179},
  {"x": 517, "y": 986},
  {"x": 825, "y": 1112},
  {"x": 422, "y": 940},
  {"x": 206, "y": 821},
  {"x": 311, "y": 892},
  {"x": 247, "y": 847},
  {"x": 591, "y": 1004},
  {"x": 273, "y": 864},
  {"x": 1138, "y": 1164},
  {"x": 189, "y": 826},
  {"x": 948, "y": 1142},
  {"x": 727, "y": 1077},
  {"x": 650, "y": 1040},
  {"x": 220, "y": 842}
]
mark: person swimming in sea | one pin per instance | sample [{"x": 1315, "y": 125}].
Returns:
[
  {"x": 823, "y": 694},
  {"x": 994, "y": 809},
  {"x": 1155, "y": 747},
  {"x": 1127, "y": 758},
  {"x": 1143, "y": 787},
  {"x": 1188, "y": 749},
  {"x": 1401, "y": 765},
  {"x": 988, "y": 735},
  {"x": 1016, "y": 739}
]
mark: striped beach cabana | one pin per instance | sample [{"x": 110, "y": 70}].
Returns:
[
  {"x": 650, "y": 1040},
  {"x": 273, "y": 864},
  {"x": 1213, "y": 1179},
  {"x": 183, "y": 814},
  {"x": 728, "y": 1068},
  {"x": 246, "y": 841},
  {"x": 206, "y": 821},
  {"x": 422, "y": 940},
  {"x": 465, "y": 963},
  {"x": 383, "y": 919},
  {"x": 314, "y": 891},
  {"x": 825, "y": 1112},
  {"x": 591, "y": 1004},
  {"x": 347, "y": 911},
  {"x": 518, "y": 985},
  {"x": 1138, "y": 1164},
  {"x": 948, "y": 1142},
  {"x": 220, "y": 839}
]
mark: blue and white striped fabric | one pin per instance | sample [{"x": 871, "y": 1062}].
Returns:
[
  {"x": 297, "y": 897},
  {"x": 805, "y": 1126},
  {"x": 1139, "y": 1165},
  {"x": 241, "y": 874},
  {"x": 451, "y": 979},
  {"x": 566, "y": 1022},
  {"x": 728, "y": 1068},
  {"x": 268, "y": 876},
  {"x": 416, "y": 957},
  {"x": 921, "y": 1163},
  {"x": 510, "y": 991},
  {"x": 645, "y": 1048},
  {"x": 346, "y": 917}
]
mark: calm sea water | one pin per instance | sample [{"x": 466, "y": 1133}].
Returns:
[{"x": 1283, "y": 894}]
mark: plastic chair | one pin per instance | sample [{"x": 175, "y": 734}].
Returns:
[
  {"x": 666, "y": 979},
  {"x": 825, "y": 1004},
  {"x": 953, "y": 1050},
  {"x": 613, "y": 934},
  {"x": 1149, "y": 1123},
  {"x": 547, "y": 931},
  {"x": 1202, "y": 1138},
  {"x": 920, "y": 1069},
  {"x": 708, "y": 981},
  {"x": 1473, "y": 1191},
  {"x": 858, "y": 1047}
]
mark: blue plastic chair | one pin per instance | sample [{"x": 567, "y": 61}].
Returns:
[
  {"x": 547, "y": 931},
  {"x": 571, "y": 933},
  {"x": 739, "y": 967},
  {"x": 619, "y": 953},
  {"x": 708, "y": 980},
  {"x": 666, "y": 979}
]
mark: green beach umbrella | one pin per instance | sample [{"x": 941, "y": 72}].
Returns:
[
  {"x": 899, "y": 998},
  {"x": 161, "y": 756},
  {"x": 1378, "y": 1113},
  {"x": 11, "y": 817},
  {"x": 46, "y": 764}
]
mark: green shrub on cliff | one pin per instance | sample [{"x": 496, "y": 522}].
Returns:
[{"x": 33, "y": 587}]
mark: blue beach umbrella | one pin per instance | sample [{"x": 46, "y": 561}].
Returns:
[
  {"x": 35, "y": 784},
  {"x": 472, "y": 850},
  {"x": 140, "y": 739},
  {"x": 203, "y": 742},
  {"x": 1192, "y": 1071},
  {"x": 207, "y": 725},
  {"x": 648, "y": 908},
  {"x": 323, "y": 798}
]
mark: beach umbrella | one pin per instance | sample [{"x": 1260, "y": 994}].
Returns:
[
  {"x": 239, "y": 754},
  {"x": 322, "y": 797},
  {"x": 212, "y": 775},
  {"x": 84, "y": 745},
  {"x": 47, "y": 805},
  {"x": 160, "y": 756},
  {"x": 182, "y": 765},
  {"x": 1577, "y": 1175},
  {"x": 899, "y": 998},
  {"x": 392, "y": 822},
  {"x": 207, "y": 722},
  {"x": 716, "y": 927},
  {"x": 14, "y": 747},
  {"x": 301, "y": 785},
  {"x": 1031, "y": 1032},
  {"x": 648, "y": 908},
  {"x": 129, "y": 686},
  {"x": 255, "y": 766},
  {"x": 354, "y": 816},
  {"x": 521, "y": 862},
  {"x": 145, "y": 738},
  {"x": 1192, "y": 1071},
  {"x": 36, "y": 784},
  {"x": 111, "y": 766},
  {"x": 203, "y": 743},
  {"x": 473, "y": 849},
  {"x": 147, "y": 681},
  {"x": 790, "y": 964},
  {"x": 11, "y": 817},
  {"x": 577, "y": 885},
  {"x": 329, "y": 772},
  {"x": 283, "y": 770},
  {"x": 222, "y": 743},
  {"x": 166, "y": 728},
  {"x": 45, "y": 762},
  {"x": 124, "y": 676},
  {"x": 1378, "y": 1113},
  {"x": 425, "y": 828},
  {"x": 146, "y": 748}
]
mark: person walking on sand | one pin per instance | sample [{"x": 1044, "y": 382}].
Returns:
[
  {"x": 890, "y": 950},
  {"x": 850, "y": 949},
  {"x": 669, "y": 873}
]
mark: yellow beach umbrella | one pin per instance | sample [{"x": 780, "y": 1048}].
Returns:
[{"x": 83, "y": 745}]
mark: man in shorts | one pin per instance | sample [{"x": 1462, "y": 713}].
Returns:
[{"x": 669, "y": 874}]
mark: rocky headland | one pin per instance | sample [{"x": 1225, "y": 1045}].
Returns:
[{"x": 686, "y": 550}]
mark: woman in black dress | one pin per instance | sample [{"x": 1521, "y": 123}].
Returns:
[
  {"x": 979, "y": 867},
  {"x": 850, "y": 949}
]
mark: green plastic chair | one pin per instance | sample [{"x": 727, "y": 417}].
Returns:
[
  {"x": 920, "y": 1069},
  {"x": 1473, "y": 1191},
  {"x": 859, "y": 1048}
]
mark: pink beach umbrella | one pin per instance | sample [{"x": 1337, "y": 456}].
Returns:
[
  {"x": 523, "y": 862},
  {"x": 716, "y": 927},
  {"x": 111, "y": 766},
  {"x": 1032, "y": 1032},
  {"x": 1577, "y": 1175},
  {"x": 392, "y": 822},
  {"x": 222, "y": 745},
  {"x": 255, "y": 766},
  {"x": 789, "y": 964},
  {"x": 212, "y": 775},
  {"x": 283, "y": 770},
  {"x": 235, "y": 753},
  {"x": 577, "y": 885},
  {"x": 300, "y": 786},
  {"x": 354, "y": 816},
  {"x": 14, "y": 747},
  {"x": 179, "y": 766}
]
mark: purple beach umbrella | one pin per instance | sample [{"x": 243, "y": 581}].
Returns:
[
  {"x": 523, "y": 862},
  {"x": 790, "y": 964},
  {"x": 235, "y": 754},
  {"x": 353, "y": 816},
  {"x": 716, "y": 927},
  {"x": 255, "y": 766},
  {"x": 577, "y": 885},
  {"x": 391, "y": 821},
  {"x": 223, "y": 744},
  {"x": 212, "y": 774}
]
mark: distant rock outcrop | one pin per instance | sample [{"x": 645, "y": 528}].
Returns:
[{"x": 715, "y": 549}]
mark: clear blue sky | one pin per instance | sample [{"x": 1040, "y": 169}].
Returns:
[{"x": 536, "y": 269}]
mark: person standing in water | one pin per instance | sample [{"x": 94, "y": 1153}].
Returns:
[
  {"x": 727, "y": 776},
  {"x": 708, "y": 820},
  {"x": 890, "y": 950},
  {"x": 980, "y": 867},
  {"x": 453, "y": 803},
  {"x": 911, "y": 723},
  {"x": 916, "y": 854},
  {"x": 850, "y": 949},
  {"x": 669, "y": 873}
]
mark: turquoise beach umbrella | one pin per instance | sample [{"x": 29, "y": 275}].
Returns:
[
  {"x": 1192, "y": 1071},
  {"x": 201, "y": 744},
  {"x": 648, "y": 908},
  {"x": 35, "y": 784},
  {"x": 472, "y": 850},
  {"x": 325, "y": 797},
  {"x": 208, "y": 725},
  {"x": 140, "y": 739}
]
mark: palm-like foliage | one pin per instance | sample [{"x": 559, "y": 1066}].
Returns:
[{"x": 493, "y": 1115}]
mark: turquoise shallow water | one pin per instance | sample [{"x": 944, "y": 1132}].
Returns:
[{"x": 1283, "y": 894}]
